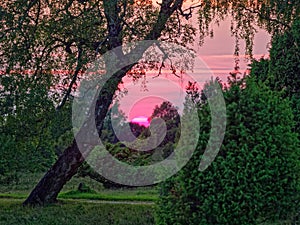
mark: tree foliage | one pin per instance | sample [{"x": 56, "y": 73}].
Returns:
[
  {"x": 171, "y": 117},
  {"x": 27, "y": 140},
  {"x": 255, "y": 176},
  {"x": 282, "y": 71}
]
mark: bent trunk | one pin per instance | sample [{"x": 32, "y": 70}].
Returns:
[{"x": 53, "y": 181}]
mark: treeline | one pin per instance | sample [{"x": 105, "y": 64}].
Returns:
[{"x": 34, "y": 133}]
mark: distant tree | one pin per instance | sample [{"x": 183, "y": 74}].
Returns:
[{"x": 169, "y": 113}]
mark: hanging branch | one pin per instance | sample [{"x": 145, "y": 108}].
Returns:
[
  {"x": 165, "y": 57},
  {"x": 78, "y": 68}
]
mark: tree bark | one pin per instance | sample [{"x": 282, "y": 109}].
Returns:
[
  {"x": 53, "y": 181},
  {"x": 68, "y": 163}
]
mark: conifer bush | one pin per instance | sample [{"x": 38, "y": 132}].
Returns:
[{"x": 255, "y": 176}]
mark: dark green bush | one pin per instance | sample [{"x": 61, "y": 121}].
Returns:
[{"x": 255, "y": 176}]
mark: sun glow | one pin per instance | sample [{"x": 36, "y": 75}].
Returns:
[{"x": 141, "y": 120}]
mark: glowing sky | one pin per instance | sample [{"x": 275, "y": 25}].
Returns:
[
  {"x": 141, "y": 120},
  {"x": 217, "y": 53}
]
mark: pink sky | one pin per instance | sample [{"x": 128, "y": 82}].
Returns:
[{"x": 217, "y": 53}]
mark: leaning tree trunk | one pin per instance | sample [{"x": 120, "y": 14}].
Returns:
[
  {"x": 50, "y": 185},
  {"x": 68, "y": 163},
  {"x": 72, "y": 158}
]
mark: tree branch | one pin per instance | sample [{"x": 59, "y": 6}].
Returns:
[
  {"x": 257, "y": 12},
  {"x": 78, "y": 68},
  {"x": 166, "y": 10},
  {"x": 111, "y": 11}
]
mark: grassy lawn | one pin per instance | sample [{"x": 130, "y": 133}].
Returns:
[
  {"x": 73, "y": 213},
  {"x": 27, "y": 182},
  {"x": 75, "y": 207},
  {"x": 125, "y": 195}
]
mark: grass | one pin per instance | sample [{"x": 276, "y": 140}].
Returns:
[
  {"x": 75, "y": 213},
  {"x": 13, "y": 196},
  {"x": 77, "y": 207},
  {"x": 27, "y": 182},
  {"x": 81, "y": 207},
  {"x": 74, "y": 207},
  {"x": 110, "y": 196}
]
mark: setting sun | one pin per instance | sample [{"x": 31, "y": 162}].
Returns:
[{"x": 141, "y": 120}]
